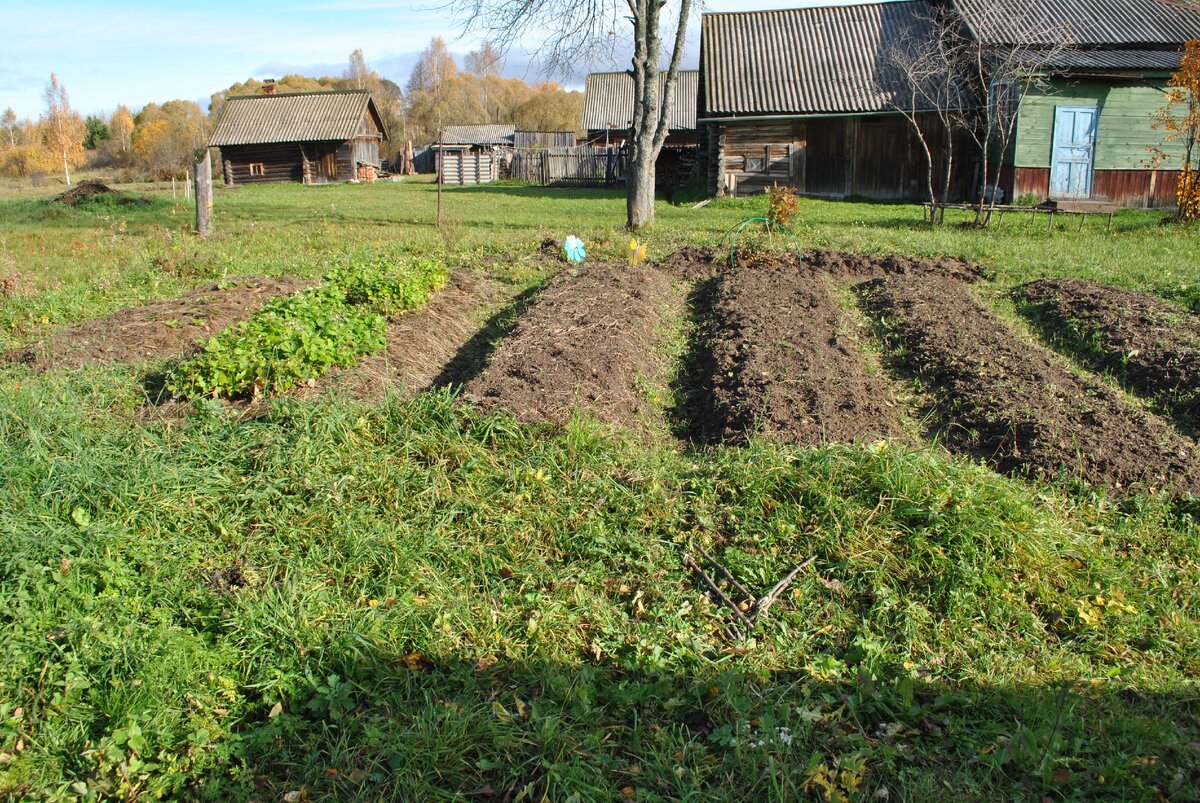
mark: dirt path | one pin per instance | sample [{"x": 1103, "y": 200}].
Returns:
[
  {"x": 1151, "y": 345},
  {"x": 591, "y": 338},
  {"x": 778, "y": 355},
  {"x": 156, "y": 331},
  {"x": 1014, "y": 404},
  {"x": 421, "y": 344}
]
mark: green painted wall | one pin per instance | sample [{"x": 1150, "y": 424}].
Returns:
[{"x": 1123, "y": 131}]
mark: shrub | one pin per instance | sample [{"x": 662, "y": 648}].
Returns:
[
  {"x": 783, "y": 205},
  {"x": 393, "y": 290}
]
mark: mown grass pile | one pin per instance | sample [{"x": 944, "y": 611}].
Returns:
[{"x": 301, "y": 337}]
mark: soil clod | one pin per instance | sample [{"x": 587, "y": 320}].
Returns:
[{"x": 87, "y": 190}]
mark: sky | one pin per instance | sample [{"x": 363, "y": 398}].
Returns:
[{"x": 141, "y": 51}]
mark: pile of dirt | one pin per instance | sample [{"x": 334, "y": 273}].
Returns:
[
  {"x": 158, "y": 330},
  {"x": 589, "y": 339},
  {"x": 86, "y": 190},
  {"x": 1150, "y": 344},
  {"x": 860, "y": 267},
  {"x": 694, "y": 262},
  {"x": 779, "y": 355},
  {"x": 1014, "y": 404},
  {"x": 421, "y": 344}
]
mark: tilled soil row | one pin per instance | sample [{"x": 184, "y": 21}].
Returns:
[
  {"x": 590, "y": 339},
  {"x": 1151, "y": 345},
  {"x": 1013, "y": 404},
  {"x": 158, "y": 330},
  {"x": 780, "y": 357}
]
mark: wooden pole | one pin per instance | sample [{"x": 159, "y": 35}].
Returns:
[
  {"x": 204, "y": 194},
  {"x": 441, "y": 156}
]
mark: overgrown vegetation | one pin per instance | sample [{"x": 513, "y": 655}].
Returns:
[
  {"x": 294, "y": 339},
  {"x": 1179, "y": 117}
]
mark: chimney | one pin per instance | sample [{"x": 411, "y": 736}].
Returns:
[{"x": 269, "y": 86}]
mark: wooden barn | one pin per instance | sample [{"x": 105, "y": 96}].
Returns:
[
  {"x": 800, "y": 97},
  {"x": 1086, "y": 134},
  {"x": 308, "y": 137}
]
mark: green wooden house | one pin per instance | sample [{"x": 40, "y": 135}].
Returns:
[{"x": 1087, "y": 134}]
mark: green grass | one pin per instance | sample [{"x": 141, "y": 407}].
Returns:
[{"x": 413, "y": 600}]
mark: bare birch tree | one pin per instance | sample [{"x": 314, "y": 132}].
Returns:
[
  {"x": 926, "y": 75},
  {"x": 576, "y": 30}
]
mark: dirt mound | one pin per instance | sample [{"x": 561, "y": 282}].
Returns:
[
  {"x": 1150, "y": 344},
  {"x": 589, "y": 339},
  {"x": 694, "y": 262},
  {"x": 421, "y": 344},
  {"x": 860, "y": 267},
  {"x": 86, "y": 190},
  {"x": 1013, "y": 404},
  {"x": 158, "y": 330},
  {"x": 782, "y": 357}
]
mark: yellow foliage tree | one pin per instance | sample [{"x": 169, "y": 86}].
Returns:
[
  {"x": 1180, "y": 119},
  {"x": 64, "y": 128},
  {"x": 121, "y": 129}
]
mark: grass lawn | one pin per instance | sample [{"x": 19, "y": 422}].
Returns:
[{"x": 414, "y": 600}]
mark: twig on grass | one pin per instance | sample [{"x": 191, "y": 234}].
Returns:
[
  {"x": 757, "y": 607},
  {"x": 761, "y": 606},
  {"x": 691, "y": 563}
]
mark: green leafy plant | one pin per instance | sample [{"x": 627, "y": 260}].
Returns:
[{"x": 300, "y": 337}]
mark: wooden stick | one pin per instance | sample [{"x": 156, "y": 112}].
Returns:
[
  {"x": 728, "y": 576},
  {"x": 763, "y": 605},
  {"x": 691, "y": 563}
]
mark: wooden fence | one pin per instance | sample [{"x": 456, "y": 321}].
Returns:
[{"x": 570, "y": 167}]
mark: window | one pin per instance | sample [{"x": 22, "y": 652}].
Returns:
[
  {"x": 256, "y": 168},
  {"x": 754, "y": 164}
]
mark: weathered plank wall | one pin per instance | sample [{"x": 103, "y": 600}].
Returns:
[
  {"x": 1133, "y": 188},
  {"x": 466, "y": 167},
  {"x": 260, "y": 164}
]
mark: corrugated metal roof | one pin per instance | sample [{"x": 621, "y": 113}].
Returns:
[
  {"x": 1117, "y": 23},
  {"x": 291, "y": 117},
  {"x": 479, "y": 134},
  {"x": 804, "y": 60},
  {"x": 1093, "y": 60},
  {"x": 608, "y": 101}
]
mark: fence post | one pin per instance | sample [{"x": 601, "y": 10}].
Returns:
[{"x": 204, "y": 200}]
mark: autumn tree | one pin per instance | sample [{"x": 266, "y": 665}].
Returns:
[
  {"x": 1179, "y": 117},
  {"x": 167, "y": 138},
  {"x": 485, "y": 61},
  {"x": 550, "y": 108},
  {"x": 357, "y": 72},
  {"x": 574, "y": 30},
  {"x": 64, "y": 128},
  {"x": 434, "y": 68},
  {"x": 120, "y": 128},
  {"x": 292, "y": 82},
  {"x": 9, "y": 121}
]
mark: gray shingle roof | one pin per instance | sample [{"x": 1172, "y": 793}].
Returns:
[
  {"x": 479, "y": 134},
  {"x": 803, "y": 60},
  {"x": 1100, "y": 60},
  {"x": 291, "y": 117},
  {"x": 1107, "y": 23},
  {"x": 608, "y": 101}
]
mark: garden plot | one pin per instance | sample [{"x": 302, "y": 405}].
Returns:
[
  {"x": 778, "y": 355},
  {"x": 158, "y": 330},
  {"x": 1014, "y": 404},
  {"x": 592, "y": 339},
  {"x": 421, "y": 344},
  {"x": 1151, "y": 345}
]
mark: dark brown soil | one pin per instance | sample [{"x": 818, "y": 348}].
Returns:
[
  {"x": 1151, "y": 345},
  {"x": 781, "y": 357},
  {"x": 158, "y": 330},
  {"x": 422, "y": 344},
  {"x": 859, "y": 267},
  {"x": 1014, "y": 404},
  {"x": 587, "y": 340},
  {"x": 86, "y": 190},
  {"x": 695, "y": 262}
]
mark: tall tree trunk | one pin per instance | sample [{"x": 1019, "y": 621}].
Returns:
[
  {"x": 640, "y": 197},
  {"x": 948, "y": 141},
  {"x": 66, "y": 169}
]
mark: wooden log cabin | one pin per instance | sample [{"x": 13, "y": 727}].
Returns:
[
  {"x": 307, "y": 137},
  {"x": 800, "y": 97}
]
